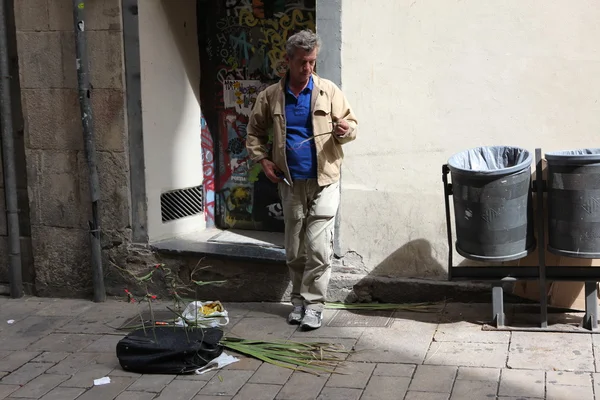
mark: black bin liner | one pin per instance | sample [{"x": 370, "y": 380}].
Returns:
[
  {"x": 574, "y": 202},
  {"x": 493, "y": 206}
]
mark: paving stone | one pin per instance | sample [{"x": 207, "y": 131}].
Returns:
[
  {"x": 562, "y": 392},
  {"x": 6, "y": 390},
  {"x": 84, "y": 378},
  {"x": 385, "y": 387},
  {"x": 65, "y": 307},
  {"x": 195, "y": 377},
  {"x": 22, "y": 334},
  {"x": 208, "y": 397},
  {"x": 405, "y": 370},
  {"x": 107, "y": 343},
  {"x": 433, "y": 378},
  {"x": 337, "y": 393},
  {"x": 478, "y": 374},
  {"x": 302, "y": 386},
  {"x": 51, "y": 357},
  {"x": 64, "y": 342},
  {"x": 40, "y": 386},
  {"x": 345, "y": 346},
  {"x": 3, "y": 374},
  {"x": 26, "y": 373},
  {"x": 226, "y": 382},
  {"x": 527, "y": 351},
  {"x": 117, "y": 385},
  {"x": 261, "y": 310},
  {"x": 464, "y": 331},
  {"x": 16, "y": 359},
  {"x": 4, "y": 354},
  {"x": 63, "y": 393},
  {"x": 130, "y": 395},
  {"x": 426, "y": 396},
  {"x": 72, "y": 364},
  {"x": 151, "y": 383},
  {"x": 180, "y": 390},
  {"x": 569, "y": 378},
  {"x": 120, "y": 372},
  {"x": 245, "y": 363},
  {"x": 522, "y": 383},
  {"x": 393, "y": 345},
  {"x": 272, "y": 374},
  {"x": 474, "y": 390},
  {"x": 467, "y": 354},
  {"x": 257, "y": 391},
  {"x": 263, "y": 329},
  {"x": 356, "y": 375}
]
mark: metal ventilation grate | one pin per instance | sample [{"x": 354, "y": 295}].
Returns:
[{"x": 181, "y": 203}]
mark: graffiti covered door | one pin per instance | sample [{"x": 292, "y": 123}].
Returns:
[{"x": 242, "y": 51}]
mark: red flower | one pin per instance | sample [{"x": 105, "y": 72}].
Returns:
[{"x": 153, "y": 297}]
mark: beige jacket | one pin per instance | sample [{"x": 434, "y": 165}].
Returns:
[{"x": 328, "y": 104}]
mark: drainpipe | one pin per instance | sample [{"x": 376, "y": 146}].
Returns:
[
  {"x": 8, "y": 157},
  {"x": 90, "y": 147}
]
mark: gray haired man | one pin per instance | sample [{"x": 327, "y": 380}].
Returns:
[{"x": 311, "y": 120}]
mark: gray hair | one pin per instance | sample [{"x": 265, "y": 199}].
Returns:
[{"x": 306, "y": 40}]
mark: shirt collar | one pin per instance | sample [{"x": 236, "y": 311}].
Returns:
[{"x": 309, "y": 87}]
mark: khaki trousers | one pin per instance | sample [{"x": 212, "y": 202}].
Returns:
[{"x": 309, "y": 214}]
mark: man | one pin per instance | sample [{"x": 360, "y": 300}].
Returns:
[{"x": 311, "y": 119}]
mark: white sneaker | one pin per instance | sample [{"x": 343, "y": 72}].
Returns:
[
  {"x": 312, "y": 319},
  {"x": 296, "y": 315}
]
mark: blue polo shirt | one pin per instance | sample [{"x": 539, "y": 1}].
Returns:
[{"x": 301, "y": 159}]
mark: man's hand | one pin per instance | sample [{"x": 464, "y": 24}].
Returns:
[
  {"x": 271, "y": 170},
  {"x": 341, "y": 127}
]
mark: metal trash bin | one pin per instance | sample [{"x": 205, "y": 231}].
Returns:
[
  {"x": 574, "y": 203},
  {"x": 493, "y": 207}
]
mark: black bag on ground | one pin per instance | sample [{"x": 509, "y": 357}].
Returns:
[{"x": 168, "y": 350}]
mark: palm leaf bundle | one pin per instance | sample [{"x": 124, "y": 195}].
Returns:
[{"x": 414, "y": 307}]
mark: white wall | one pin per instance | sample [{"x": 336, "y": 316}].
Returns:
[
  {"x": 170, "y": 107},
  {"x": 429, "y": 78}
]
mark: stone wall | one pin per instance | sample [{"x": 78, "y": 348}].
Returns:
[{"x": 57, "y": 173}]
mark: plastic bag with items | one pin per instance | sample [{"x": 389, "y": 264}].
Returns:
[{"x": 209, "y": 314}]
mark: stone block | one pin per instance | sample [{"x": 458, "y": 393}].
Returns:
[
  {"x": 106, "y": 344},
  {"x": 474, "y": 390},
  {"x": 394, "y": 344},
  {"x": 386, "y": 388},
  {"x": 62, "y": 261},
  {"x": 55, "y": 190},
  {"x": 226, "y": 383},
  {"x": 6, "y": 390},
  {"x": 113, "y": 174},
  {"x": 426, "y": 396},
  {"x": 64, "y": 342},
  {"x": 16, "y": 359},
  {"x": 117, "y": 385},
  {"x": 302, "y": 386},
  {"x": 84, "y": 378},
  {"x": 258, "y": 391},
  {"x": 26, "y": 373},
  {"x": 271, "y": 374},
  {"x": 433, "y": 378},
  {"x": 263, "y": 329},
  {"x": 151, "y": 383},
  {"x": 528, "y": 352},
  {"x": 180, "y": 389},
  {"x": 560, "y": 392},
  {"x": 478, "y": 374},
  {"x": 108, "y": 108},
  {"x": 132, "y": 395},
  {"x": 53, "y": 119},
  {"x": 43, "y": 58},
  {"x": 353, "y": 375},
  {"x": 522, "y": 383},
  {"x": 63, "y": 393},
  {"x": 106, "y": 59},
  {"x": 569, "y": 378},
  {"x": 401, "y": 370},
  {"x": 492, "y": 355},
  {"x": 31, "y": 15},
  {"x": 51, "y": 357},
  {"x": 3, "y": 226},
  {"x": 99, "y": 15},
  {"x": 40, "y": 386},
  {"x": 331, "y": 393}
]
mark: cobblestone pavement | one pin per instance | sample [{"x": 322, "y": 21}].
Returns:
[{"x": 55, "y": 348}]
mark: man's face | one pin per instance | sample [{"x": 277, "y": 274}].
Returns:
[{"x": 302, "y": 64}]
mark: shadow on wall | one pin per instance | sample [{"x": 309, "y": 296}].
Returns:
[{"x": 391, "y": 282}]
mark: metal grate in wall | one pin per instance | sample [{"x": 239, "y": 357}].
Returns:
[{"x": 181, "y": 203}]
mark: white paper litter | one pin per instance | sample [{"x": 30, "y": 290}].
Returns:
[
  {"x": 222, "y": 361},
  {"x": 10, "y": 321},
  {"x": 101, "y": 381}
]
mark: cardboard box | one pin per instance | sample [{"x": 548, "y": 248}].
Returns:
[{"x": 560, "y": 293}]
